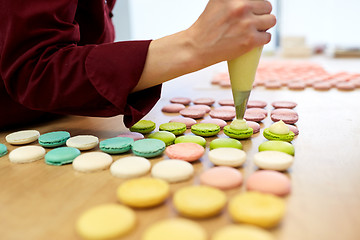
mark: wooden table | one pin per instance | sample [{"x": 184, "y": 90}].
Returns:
[{"x": 38, "y": 201}]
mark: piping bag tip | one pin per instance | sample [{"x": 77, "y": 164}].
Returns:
[{"x": 240, "y": 101}]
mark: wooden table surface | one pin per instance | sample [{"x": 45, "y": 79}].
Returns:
[{"x": 38, "y": 201}]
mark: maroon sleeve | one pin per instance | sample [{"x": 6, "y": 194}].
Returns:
[{"x": 45, "y": 69}]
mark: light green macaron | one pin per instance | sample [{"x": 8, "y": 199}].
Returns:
[
  {"x": 191, "y": 138},
  {"x": 225, "y": 142},
  {"x": 277, "y": 145},
  {"x": 167, "y": 137},
  {"x": 205, "y": 129},
  {"x": 143, "y": 126},
  {"x": 176, "y": 128},
  {"x": 282, "y": 137}
]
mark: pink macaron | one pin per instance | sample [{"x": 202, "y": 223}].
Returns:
[
  {"x": 255, "y": 114},
  {"x": 256, "y": 104},
  {"x": 222, "y": 177},
  {"x": 188, "y": 121},
  {"x": 173, "y": 108},
  {"x": 221, "y": 123},
  {"x": 204, "y": 101},
  {"x": 221, "y": 114},
  {"x": 254, "y": 125},
  {"x": 206, "y": 108},
  {"x": 193, "y": 113},
  {"x": 181, "y": 100},
  {"x": 284, "y": 104},
  {"x": 288, "y": 116},
  {"x": 134, "y": 135},
  {"x": 226, "y": 102},
  {"x": 269, "y": 181},
  {"x": 187, "y": 151}
]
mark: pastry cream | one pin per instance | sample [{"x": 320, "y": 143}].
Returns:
[
  {"x": 239, "y": 124},
  {"x": 279, "y": 128}
]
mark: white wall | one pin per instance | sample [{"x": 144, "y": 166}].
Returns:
[{"x": 332, "y": 22}]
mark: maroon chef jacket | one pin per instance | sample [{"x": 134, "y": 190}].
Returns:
[{"x": 59, "y": 57}]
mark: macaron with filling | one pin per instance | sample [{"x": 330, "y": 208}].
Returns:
[{"x": 238, "y": 129}]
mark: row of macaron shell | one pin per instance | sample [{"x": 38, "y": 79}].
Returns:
[
  {"x": 296, "y": 76},
  {"x": 86, "y": 168},
  {"x": 255, "y": 112}
]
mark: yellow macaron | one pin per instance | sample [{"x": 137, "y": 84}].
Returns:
[
  {"x": 261, "y": 209},
  {"x": 248, "y": 232},
  {"x": 143, "y": 192},
  {"x": 175, "y": 229},
  {"x": 199, "y": 201},
  {"x": 107, "y": 221}
]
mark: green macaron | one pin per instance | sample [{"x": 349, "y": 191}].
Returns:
[
  {"x": 61, "y": 155},
  {"x": 277, "y": 145},
  {"x": 282, "y": 137},
  {"x": 143, "y": 126},
  {"x": 53, "y": 139},
  {"x": 238, "y": 133},
  {"x": 225, "y": 142},
  {"x": 148, "y": 147},
  {"x": 167, "y": 137},
  {"x": 191, "y": 138},
  {"x": 205, "y": 129},
  {"x": 3, "y": 150},
  {"x": 116, "y": 145},
  {"x": 176, "y": 128}
]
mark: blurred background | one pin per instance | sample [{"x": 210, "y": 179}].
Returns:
[{"x": 304, "y": 27}]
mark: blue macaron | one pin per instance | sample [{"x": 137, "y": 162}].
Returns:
[
  {"x": 61, "y": 155},
  {"x": 3, "y": 150},
  {"x": 116, "y": 145},
  {"x": 54, "y": 139},
  {"x": 148, "y": 148}
]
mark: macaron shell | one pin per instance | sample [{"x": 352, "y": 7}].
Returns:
[
  {"x": 143, "y": 126},
  {"x": 221, "y": 123},
  {"x": 188, "y": 121},
  {"x": 231, "y": 157},
  {"x": 221, "y": 177},
  {"x": 61, "y": 155},
  {"x": 205, "y": 129},
  {"x": 130, "y": 167},
  {"x": 176, "y": 128},
  {"x": 175, "y": 229},
  {"x": 276, "y": 145},
  {"x": 143, "y": 192},
  {"x": 199, "y": 201},
  {"x": 282, "y": 137},
  {"x": 107, "y": 221},
  {"x": 92, "y": 162},
  {"x": 225, "y": 142},
  {"x": 269, "y": 181},
  {"x": 148, "y": 147},
  {"x": 181, "y": 100},
  {"x": 173, "y": 108},
  {"x": 83, "y": 142},
  {"x": 238, "y": 134},
  {"x": 3, "y": 150},
  {"x": 167, "y": 137},
  {"x": 273, "y": 160},
  {"x": 260, "y": 209},
  {"x": 186, "y": 151},
  {"x": 238, "y": 232},
  {"x": 116, "y": 145},
  {"x": 134, "y": 135},
  {"x": 22, "y": 137},
  {"x": 172, "y": 170},
  {"x": 191, "y": 138},
  {"x": 27, "y": 154},
  {"x": 54, "y": 139}
]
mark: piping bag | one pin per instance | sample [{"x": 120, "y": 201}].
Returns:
[{"x": 242, "y": 72}]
